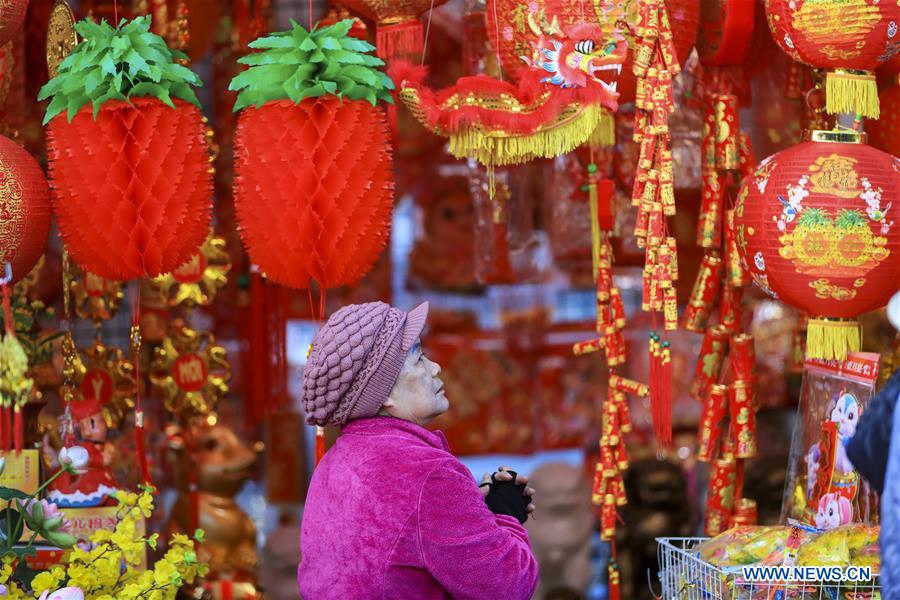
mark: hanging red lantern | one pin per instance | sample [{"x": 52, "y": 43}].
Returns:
[
  {"x": 132, "y": 181},
  {"x": 848, "y": 37},
  {"x": 884, "y": 133},
  {"x": 24, "y": 209},
  {"x": 818, "y": 227},
  {"x": 327, "y": 220},
  {"x": 513, "y": 35},
  {"x": 12, "y": 17},
  {"x": 398, "y": 25}
]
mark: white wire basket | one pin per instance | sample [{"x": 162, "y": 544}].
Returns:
[{"x": 685, "y": 576}]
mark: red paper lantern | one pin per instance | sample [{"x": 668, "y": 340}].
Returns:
[
  {"x": 314, "y": 189},
  {"x": 884, "y": 133},
  {"x": 398, "y": 28},
  {"x": 511, "y": 35},
  {"x": 12, "y": 17},
  {"x": 848, "y": 37},
  {"x": 133, "y": 188},
  {"x": 818, "y": 227},
  {"x": 726, "y": 27},
  {"x": 24, "y": 209}
]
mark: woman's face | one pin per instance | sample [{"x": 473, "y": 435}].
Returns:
[{"x": 418, "y": 394}]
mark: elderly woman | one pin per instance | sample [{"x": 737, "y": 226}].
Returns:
[{"x": 390, "y": 512}]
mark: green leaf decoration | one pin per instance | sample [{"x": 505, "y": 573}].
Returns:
[
  {"x": 118, "y": 63},
  {"x": 298, "y": 64}
]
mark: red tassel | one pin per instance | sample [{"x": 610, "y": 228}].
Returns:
[
  {"x": 19, "y": 430},
  {"x": 615, "y": 591},
  {"x": 392, "y": 41},
  {"x": 320, "y": 444},
  {"x": 7, "y": 429},
  {"x": 140, "y": 448},
  {"x": 661, "y": 390}
]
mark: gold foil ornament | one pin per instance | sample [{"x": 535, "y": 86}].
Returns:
[
  {"x": 196, "y": 282},
  {"x": 96, "y": 298},
  {"x": 101, "y": 373},
  {"x": 190, "y": 370}
]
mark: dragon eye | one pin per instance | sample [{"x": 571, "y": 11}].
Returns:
[{"x": 585, "y": 46}]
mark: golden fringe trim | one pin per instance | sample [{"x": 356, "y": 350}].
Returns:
[
  {"x": 853, "y": 92},
  {"x": 498, "y": 148},
  {"x": 604, "y": 133},
  {"x": 832, "y": 339}
]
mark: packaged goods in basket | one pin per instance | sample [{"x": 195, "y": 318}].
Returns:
[{"x": 851, "y": 545}]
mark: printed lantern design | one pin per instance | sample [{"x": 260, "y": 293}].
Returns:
[
  {"x": 398, "y": 29},
  {"x": 12, "y": 16},
  {"x": 818, "y": 226},
  {"x": 848, "y": 37},
  {"x": 101, "y": 373},
  {"x": 24, "y": 209},
  {"x": 190, "y": 370},
  {"x": 132, "y": 188},
  {"x": 95, "y": 297},
  {"x": 197, "y": 281},
  {"x": 884, "y": 133}
]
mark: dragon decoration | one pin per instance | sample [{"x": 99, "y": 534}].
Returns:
[{"x": 558, "y": 104}]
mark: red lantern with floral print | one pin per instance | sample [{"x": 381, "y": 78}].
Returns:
[
  {"x": 848, "y": 37},
  {"x": 24, "y": 209},
  {"x": 398, "y": 27},
  {"x": 818, "y": 226}
]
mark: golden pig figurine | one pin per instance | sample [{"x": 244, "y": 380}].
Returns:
[{"x": 222, "y": 463}]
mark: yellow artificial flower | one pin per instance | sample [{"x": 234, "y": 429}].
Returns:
[{"x": 44, "y": 581}]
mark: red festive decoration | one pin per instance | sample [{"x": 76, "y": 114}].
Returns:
[
  {"x": 24, "y": 209},
  {"x": 12, "y": 17},
  {"x": 726, "y": 27},
  {"x": 398, "y": 27},
  {"x": 327, "y": 218},
  {"x": 848, "y": 37},
  {"x": 818, "y": 226},
  {"x": 133, "y": 188},
  {"x": 512, "y": 34}
]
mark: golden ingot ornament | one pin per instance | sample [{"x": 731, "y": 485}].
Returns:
[
  {"x": 102, "y": 373},
  {"x": 96, "y": 298},
  {"x": 197, "y": 281},
  {"x": 190, "y": 370}
]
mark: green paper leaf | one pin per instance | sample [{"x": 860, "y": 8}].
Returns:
[{"x": 299, "y": 64}]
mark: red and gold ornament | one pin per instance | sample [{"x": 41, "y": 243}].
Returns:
[
  {"x": 197, "y": 281},
  {"x": 101, "y": 373},
  {"x": 818, "y": 227},
  {"x": 95, "y": 298},
  {"x": 398, "y": 24}
]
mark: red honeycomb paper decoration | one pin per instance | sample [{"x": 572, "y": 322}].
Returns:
[
  {"x": 24, "y": 209},
  {"x": 314, "y": 189},
  {"x": 133, "y": 189},
  {"x": 818, "y": 227}
]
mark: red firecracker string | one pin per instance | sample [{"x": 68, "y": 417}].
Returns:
[{"x": 139, "y": 442}]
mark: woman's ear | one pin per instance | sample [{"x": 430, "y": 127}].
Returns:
[{"x": 388, "y": 403}]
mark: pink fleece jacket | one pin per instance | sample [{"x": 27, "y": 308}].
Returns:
[{"x": 391, "y": 513}]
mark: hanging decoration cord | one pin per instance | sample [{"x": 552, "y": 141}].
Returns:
[
  {"x": 427, "y": 32},
  {"x": 142, "y": 471}
]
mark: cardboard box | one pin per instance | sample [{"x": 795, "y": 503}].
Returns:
[{"x": 85, "y": 521}]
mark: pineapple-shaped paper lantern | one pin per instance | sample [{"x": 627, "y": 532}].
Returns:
[
  {"x": 818, "y": 226},
  {"x": 314, "y": 185},
  {"x": 848, "y": 37},
  {"x": 129, "y": 162}
]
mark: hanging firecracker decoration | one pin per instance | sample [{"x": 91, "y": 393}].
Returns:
[
  {"x": 129, "y": 164},
  {"x": 102, "y": 374},
  {"x": 190, "y": 370},
  {"x": 554, "y": 108},
  {"x": 24, "y": 209},
  {"x": 12, "y": 18},
  {"x": 312, "y": 97},
  {"x": 96, "y": 298},
  {"x": 398, "y": 24},
  {"x": 818, "y": 227},
  {"x": 848, "y": 37},
  {"x": 683, "y": 20},
  {"x": 198, "y": 280}
]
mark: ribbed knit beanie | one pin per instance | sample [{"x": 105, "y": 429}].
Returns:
[{"x": 355, "y": 360}]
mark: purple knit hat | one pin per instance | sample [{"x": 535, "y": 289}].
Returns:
[{"x": 356, "y": 359}]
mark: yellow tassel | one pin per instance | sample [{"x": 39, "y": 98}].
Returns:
[
  {"x": 604, "y": 133},
  {"x": 498, "y": 148},
  {"x": 595, "y": 227},
  {"x": 832, "y": 339},
  {"x": 852, "y": 92}
]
